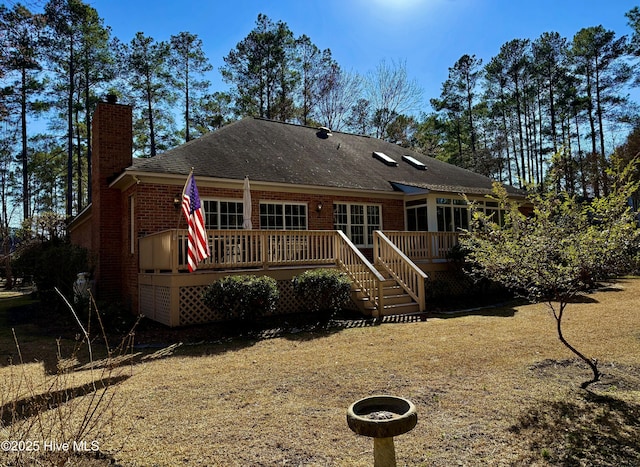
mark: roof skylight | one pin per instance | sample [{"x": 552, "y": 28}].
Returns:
[
  {"x": 414, "y": 162},
  {"x": 381, "y": 156}
]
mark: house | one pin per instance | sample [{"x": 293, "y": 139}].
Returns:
[{"x": 384, "y": 214}]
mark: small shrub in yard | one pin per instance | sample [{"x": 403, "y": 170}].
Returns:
[
  {"x": 324, "y": 291},
  {"x": 51, "y": 264},
  {"x": 242, "y": 297}
]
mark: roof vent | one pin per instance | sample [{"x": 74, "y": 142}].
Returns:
[
  {"x": 414, "y": 162},
  {"x": 381, "y": 156},
  {"x": 324, "y": 132}
]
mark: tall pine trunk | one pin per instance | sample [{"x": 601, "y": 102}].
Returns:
[
  {"x": 69, "y": 210},
  {"x": 25, "y": 159}
]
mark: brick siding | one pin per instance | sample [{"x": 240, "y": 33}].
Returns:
[
  {"x": 112, "y": 153},
  {"x": 116, "y": 271}
]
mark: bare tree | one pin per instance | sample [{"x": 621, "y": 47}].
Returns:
[
  {"x": 391, "y": 93},
  {"x": 338, "y": 93}
]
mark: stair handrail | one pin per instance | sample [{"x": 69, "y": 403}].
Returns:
[
  {"x": 404, "y": 271},
  {"x": 363, "y": 274}
]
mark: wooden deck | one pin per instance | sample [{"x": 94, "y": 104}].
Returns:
[{"x": 169, "y": 294}]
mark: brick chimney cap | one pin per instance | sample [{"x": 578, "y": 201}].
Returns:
[{"x": 112, "y": 98}]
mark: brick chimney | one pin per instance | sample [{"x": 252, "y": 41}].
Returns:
[{"x": 111, "y": 153}]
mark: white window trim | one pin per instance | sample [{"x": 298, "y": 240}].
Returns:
[
  {"x": 494, "y": 209},
  {"x": 420, "y": 203},
  {"x": 366, "y": 224},
  {"x": 220, "y": 200},
  {"x": 453, "y": 204},
  {"x": 283, "y": 204}
]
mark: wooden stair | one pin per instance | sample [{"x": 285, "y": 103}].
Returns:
[{"x": 396, "y": 300}]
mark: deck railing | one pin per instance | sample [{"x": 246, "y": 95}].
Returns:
[
  {"x": 410, "y": 277},
  {"x": 363, "y": 274},
  {"x": 167, "y": 250},
  {"x": 424, "y": 246}
]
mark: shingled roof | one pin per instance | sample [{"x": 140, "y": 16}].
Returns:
[{"x": 271, "y": 151}]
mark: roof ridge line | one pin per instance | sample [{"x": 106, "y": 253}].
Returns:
[{"x": 311, "y": 127}]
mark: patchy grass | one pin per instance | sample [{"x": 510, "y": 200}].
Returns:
[{"x": 491, "y": 387}]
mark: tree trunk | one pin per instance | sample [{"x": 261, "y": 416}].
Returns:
[
  {"x": 583, "y": 179},
  {"x": 152, "y": 131},
  {"x": 69, "y": 210},
  {"x": 593, "y": 364},
  {"x": 603, "y": 158},
  {"x": 592, "y": 126},
  {"x": 186, "y": 103},
  {"x": 79, "y": 160},
  {"x": 25, "y": 159},
  {"x": 520, "y": 133},
  {"x": 552, "y": 111},
  {"x": 87, "y": 112},
  {"x": 506, "y": 136}
]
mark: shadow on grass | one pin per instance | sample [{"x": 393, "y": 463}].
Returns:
[
  {"x": 340, "y": 323},
  {"x": 583, "y": 298},
  {"x": 15, "y": 411},
  {"x": 217, "y": 338},
  {"x": 504, "y": 310},
  {"x": 592, "y": 429}
]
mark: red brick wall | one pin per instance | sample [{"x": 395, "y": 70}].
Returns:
[
  {"x": 81, "y": 234},
  {"x": 112, "y": 153},
  {"x": 109, "y": 232},
  {"x": 154, "y": 211}
]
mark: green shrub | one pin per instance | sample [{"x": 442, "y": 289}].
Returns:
[
  {"x": 324, "y": 291},
  {"x": 50, "y": 264},
  {"x": 242, "y": 297}
]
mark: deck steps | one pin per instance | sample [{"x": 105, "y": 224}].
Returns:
[{"x": 396, "y": 300}]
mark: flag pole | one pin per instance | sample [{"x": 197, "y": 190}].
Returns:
[
  {"x": 184, "y": 189},
  {"x": 197, "y": 245}
]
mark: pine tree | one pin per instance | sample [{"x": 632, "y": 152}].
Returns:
[{"x": 188, "y": 62}]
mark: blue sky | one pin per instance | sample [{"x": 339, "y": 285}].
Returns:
[{"x": 429, "y": 35}]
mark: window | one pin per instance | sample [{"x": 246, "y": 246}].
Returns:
[
  {"x": 492, "y": 209},
  {"x": 283, "y": 216},
  {"x": 417, "y": 219},
  {"x": 222, "y": 215},
  {"x": 417, "y": 215},
  {"x": 357, "y": 221},
  {"x": 452, "y": 214}
]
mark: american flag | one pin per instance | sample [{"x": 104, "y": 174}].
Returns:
[{"x": 198, "y": 247}]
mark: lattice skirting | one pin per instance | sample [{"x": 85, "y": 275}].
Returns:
[
  {"x": 155, "y": 302},
  {"x": 194, "y": 311},
  {"x": 450, "y": 284},
  {"x": 444, "y": 283}
]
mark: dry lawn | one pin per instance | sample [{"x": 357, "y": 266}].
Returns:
[{"x": 492, "y": 387}]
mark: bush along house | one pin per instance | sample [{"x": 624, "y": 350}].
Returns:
[{"x": 383, "y": 214}]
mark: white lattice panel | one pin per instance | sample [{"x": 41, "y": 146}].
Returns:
[
  {"x": 192, "y": 309},
  {"x": 443, "y": 283},
  {"x": 146, "y": 305},
  {"x": 163, "y": 304}
]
